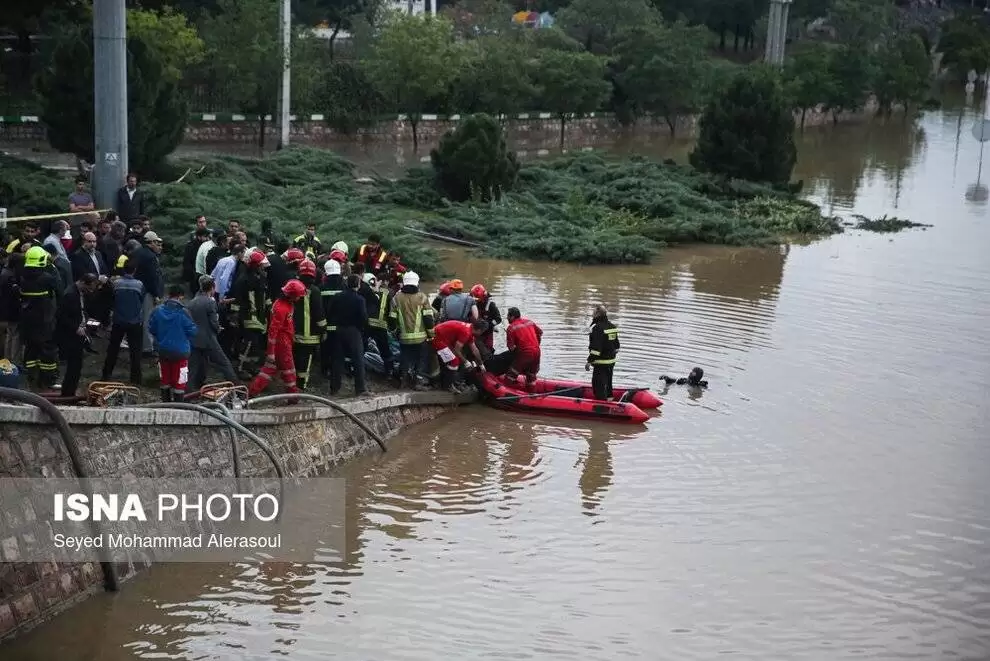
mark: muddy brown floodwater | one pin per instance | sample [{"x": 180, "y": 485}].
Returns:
[{"x": 827, "y": 497}]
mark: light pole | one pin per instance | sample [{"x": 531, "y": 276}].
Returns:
[
  {"x": 284, "y": 98},
  {"x": 110, "y": 99},
  {"x": 776, "y": 32}
]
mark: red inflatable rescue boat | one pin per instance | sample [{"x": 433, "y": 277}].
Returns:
[
  {"x": 503, "y": 395},
  {"x": 641, "y": 397}
]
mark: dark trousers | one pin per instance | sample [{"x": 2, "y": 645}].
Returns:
[
  {"x": 199, "y": 361},
  {"x": 303, "y": 356},
  {"x": 100, "y": 303},
  {"x": 350, "y": 345},
  {"x": 70, "y": 349},
  {"x": 411, "y": 359},
  {"x": 40, "y": 356},
  {"x": 327, "y": 351},
  {"x": 253, "y": 345},
  {"x": 380, "y": 336},
  {"x": 601, "y": 381},
  {"x": 135, "y": 336}
]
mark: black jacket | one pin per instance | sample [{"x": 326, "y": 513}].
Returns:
[
  {"x": 603, "y": 343},
  {"x": 82, "y": 263},
  {"x": 189, "y": 260},
  {"x": 149, "y": 271},
  {"x": 10, "y": 296},
  {"x": 69, "y": 315},
  {"x": 278, "y": 275},
  {"x": 215, "y": 254},
  {"x": 127, "y": 208},
  {"x": 110, "y": 249},
  {"x": 349, "y": 310}
]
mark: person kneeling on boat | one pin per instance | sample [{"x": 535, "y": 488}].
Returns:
[
  {"x": 523, "y": 338},
  {"x": 603, "y": 346},
  {"x": 449, "y": 340}
]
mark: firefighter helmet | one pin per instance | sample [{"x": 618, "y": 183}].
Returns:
[
  {"x": 307, "y": 267},
  {"x": 257, "y": 259},
  {"x": 445, "y": 289},
  {"x": 36, "y": 258},
  {"x": 332, "y": 267},
  {"x": 338, "y": 256},
  {"x": 479, "y": 292},
  {"x": 456, "y": 284},
  {"x": 410, "y": 279},
  {"x": 341, "y": 246},
  {"x": 294, "y": 289},
  {"x": 294, "y": 256}
]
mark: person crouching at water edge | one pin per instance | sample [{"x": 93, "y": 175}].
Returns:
[
  {"x": 281, "y": 333},
  {"x": 523, "y": 338},
  {"x": 603, "y": 346},
  {"x": 449, "y": 340}
]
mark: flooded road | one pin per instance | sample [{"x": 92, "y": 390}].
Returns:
[{"x": 827, "y": 497}]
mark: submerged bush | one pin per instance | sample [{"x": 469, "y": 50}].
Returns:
[{"x": 474, "y": 162}]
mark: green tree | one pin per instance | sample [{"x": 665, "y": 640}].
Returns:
[
  {"x": 808, "y": 78},
  {"x": 245, "y": 53},
  {"x": 737, "y": 15},
  {"x": 851, "y": 70},
  {"x": 595, "y": 23},
  {"x": 347, "y": 98},
  {"x": 176, "y": 43},
  {"x": 474, "y": 18},
  {"x": 495, "y": 77},
  {"x": 748, "y": 132},
  {"x": 902, "y": 72},
  {"x": 661, "y": 69},
  {"x": 862, "y": 22},
  {"x": 156, "y": 112},
  {"x": 474, "y": 161},
  {"x": 569, "y": 84},
  {"x": 965, "y": 45},
  {"x": 337, "y": 15},
  {"x": 414, "y": 62}
]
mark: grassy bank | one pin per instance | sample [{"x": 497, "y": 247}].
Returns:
[{"x": 584, "y": 208}]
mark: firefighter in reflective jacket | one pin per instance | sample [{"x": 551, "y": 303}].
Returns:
[
  {"x": 281, "y": 332},
  {"x": 333, "y": 284},
  {"x": 378, "y": 307},
  {"x": 603, "y": 346},
  {"x": 372, "y": 255},
  {"x": 310, "y": 323},
  {"x": 411, "y": 317},
  {"x": 308, "y": 242},
  {"x": 250, "y": 307},
  {"x": 39, "y": 293}
]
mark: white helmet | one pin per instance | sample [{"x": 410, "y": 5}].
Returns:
[
  {"x": 341, "y": 246},
  {"x": 371, "y": 280},
  {"x": 410, "y": 279},
  {"x": 332, "y": 267}
]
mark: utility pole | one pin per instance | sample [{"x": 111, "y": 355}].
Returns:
[
  {"x": 777, "y": 32},
  {"x": 284, "y": 96},
  {"x": 110, "y": 99}
]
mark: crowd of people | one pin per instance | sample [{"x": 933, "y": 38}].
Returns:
[{"x": 250, "y": 311}]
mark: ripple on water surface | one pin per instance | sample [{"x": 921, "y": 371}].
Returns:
[{"x": 824, "y": 499}]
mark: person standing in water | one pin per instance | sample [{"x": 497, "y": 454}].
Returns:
[{"x": 603, "y": 346}]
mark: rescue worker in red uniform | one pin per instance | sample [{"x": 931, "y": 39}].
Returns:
[
  {"x": 281, "y": 333},
  {"x": 449, "y": 340},
  {"x": 310, "y": 323},
  {"x": 372, "y": 255},
  {"x": 523, "y": 338},
  {"x": 487, "y": 312},
  {"x": 395, "y": 270}
]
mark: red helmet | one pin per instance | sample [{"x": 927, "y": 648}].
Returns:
[
  {"x": 257, "y": 259},
  {"x": 294, "y": 289},
  {"x": 294, "y": 256},
  {"x": 445, "y": 289},
  {"x": 307, "y": 267},
  {"x": 479, "y": 292},
  {"x": 338, "y": 256}
]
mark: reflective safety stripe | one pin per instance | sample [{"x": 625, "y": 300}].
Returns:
[
  {"x": 379, "y": 321},
  {"x": 254, "y": 322},
  {"x": 305, "y": 337},
  {"x": 417, "y": 334},
  {"x": 595, "y": 353},
  {"x": 12, "y": 246},
  {"x": 38, "y": 294},
  {"x": 609, "y": 361},
  {"x": 612, "y": 333},
  {"x": 121, "y": 261}
]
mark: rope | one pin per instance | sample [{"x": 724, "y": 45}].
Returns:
[{"x": 55, "y": 215}]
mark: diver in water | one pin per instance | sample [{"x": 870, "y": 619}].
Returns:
[{"x": 694, "y": 379}]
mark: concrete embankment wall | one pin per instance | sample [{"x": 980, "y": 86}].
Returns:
[
  {"x": 136, "y": 442},
  {"x": 527, "y": 130}
]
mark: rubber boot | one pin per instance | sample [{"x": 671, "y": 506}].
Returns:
[{"x": 166, "y": 394}]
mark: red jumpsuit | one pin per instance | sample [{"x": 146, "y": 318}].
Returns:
[
  {"x": 281, "y": 333},
  {"x": 446, "y": 336},
  {"x": 523, "y": 336}
]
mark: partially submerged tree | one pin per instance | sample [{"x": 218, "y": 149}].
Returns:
[
  {"x": 851, "y": 70},
  {"x": 156, "y": 112},
  {"x": 414, "y": 61},
  {"x": 808, "y": 78},
  {"x": 902, "y": 72},
  {"x": 569, "y": 84},
  {"x": 494, "y": 77},
  {"x": 595, "y": 23},
  {"x": 474, "y": 161},
  {"x": 748, "y": 132},
  {"x": 965, "y": 45},
  {"x": 661, "y": 70}
]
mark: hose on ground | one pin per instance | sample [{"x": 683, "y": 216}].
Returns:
[
  {"x": 322, "y": 400},
  {"x": 111, "y": 581},
  {"x": 235, "y": 453}
]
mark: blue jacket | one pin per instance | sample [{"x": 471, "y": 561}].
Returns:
[
  {"x": 172, "y": 328},
  {"x": 128, "y": 299}
]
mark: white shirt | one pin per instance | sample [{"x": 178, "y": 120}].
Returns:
[
  {"x": 223, "y": 274},
  {"x": 96, "y": 262},
  {"x": 53, "y": 240},
  {"x": 204, "y": 248},
  {"x": 130, "y": 192}
]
